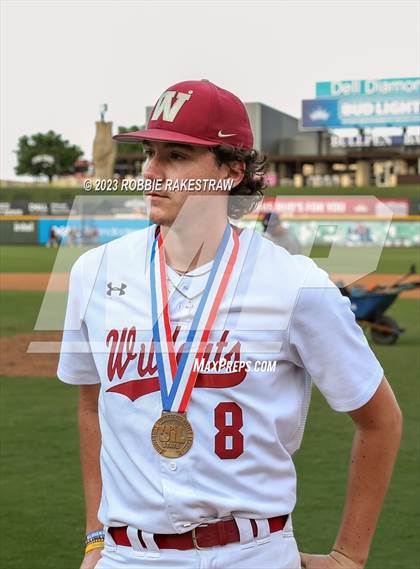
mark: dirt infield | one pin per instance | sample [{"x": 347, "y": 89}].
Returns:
[
  {"x": 382, "y": 279},
  {"x": 15, "y": 360},
  {"x": 34, "y": 281},
  {"x": 59, "y": 281}
]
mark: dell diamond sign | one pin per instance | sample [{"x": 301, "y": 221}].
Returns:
[{"x": 404, "y": 86}]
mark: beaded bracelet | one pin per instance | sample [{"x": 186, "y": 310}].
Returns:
[
  {"x": 94, "y": 540},
  {"x": 95, "y": 536}
]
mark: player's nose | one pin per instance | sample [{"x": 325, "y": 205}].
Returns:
[{"x": 153, "y": 169}]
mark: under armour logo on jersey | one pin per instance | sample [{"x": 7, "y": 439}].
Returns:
[
  {"x": 119, "y": 289},
  {"x": 165, "y": 107}
]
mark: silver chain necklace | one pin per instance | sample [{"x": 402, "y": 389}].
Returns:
[
  {"x": 182, "y": 293},
  {"x": 186, "y": 274}
]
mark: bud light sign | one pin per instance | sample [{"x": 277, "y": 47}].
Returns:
[{"x": 360, "y": 112}]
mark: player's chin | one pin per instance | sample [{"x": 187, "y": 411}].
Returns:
[{"x": 160, "y": 216}]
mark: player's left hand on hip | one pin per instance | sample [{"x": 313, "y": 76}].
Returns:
[{"x": 334, "y": 560}]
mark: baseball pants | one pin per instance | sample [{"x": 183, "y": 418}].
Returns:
[{"x": 267, "y": 551}]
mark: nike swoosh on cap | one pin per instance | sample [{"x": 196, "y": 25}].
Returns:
[{"x": 222, "y": 135}]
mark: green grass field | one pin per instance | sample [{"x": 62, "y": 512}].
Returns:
[
  {"x": 31, "y": 258},
  {"x": 20, "y": 321},
  {"x": 34, "y": 259},
  {"x": 42, "y": 519},
  {"x": 42, "y": 503},
  {"x": 51, "y": 193}
]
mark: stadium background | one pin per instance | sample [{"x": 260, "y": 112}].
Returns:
[{"x": 39, "y": 446}]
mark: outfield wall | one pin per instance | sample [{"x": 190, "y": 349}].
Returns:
[{"x": 351, "y": 231}]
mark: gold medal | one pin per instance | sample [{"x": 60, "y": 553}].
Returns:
[{"x": 172, "y": 435}]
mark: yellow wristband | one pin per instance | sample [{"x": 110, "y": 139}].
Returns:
[{"x": 94, "y": 545}]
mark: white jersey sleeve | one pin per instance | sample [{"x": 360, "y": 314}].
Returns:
[
  {"x": 325, "y": 339},
  {"x": 76, "y": 364}
]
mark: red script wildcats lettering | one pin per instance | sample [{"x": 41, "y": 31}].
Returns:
[{"x": 122, "y": 344}]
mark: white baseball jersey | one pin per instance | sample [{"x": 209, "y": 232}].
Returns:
[{"x": 281, "y": 326}]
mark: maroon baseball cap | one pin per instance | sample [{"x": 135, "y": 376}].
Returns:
[{"x": 198, "y": 113}]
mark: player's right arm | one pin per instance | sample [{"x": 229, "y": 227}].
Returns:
[
  {"x": 77, "y": 367},
  {"x": 90, "y": 446}
]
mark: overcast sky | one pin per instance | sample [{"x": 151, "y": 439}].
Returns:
[{"x": 61, "y": 59}]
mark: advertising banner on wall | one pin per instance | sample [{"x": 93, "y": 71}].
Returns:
[
  {"x": 87, "y": 231},
  {"x": 345, "y": 233},
  {"x": 355, "y": 233},
  {"x": 14, "y": 232},
  {"x": 24, "y": 207},
  {"x": 331, "y": 205}
]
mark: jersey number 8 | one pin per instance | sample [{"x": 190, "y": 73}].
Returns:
[{"x": 229, "y": 441}]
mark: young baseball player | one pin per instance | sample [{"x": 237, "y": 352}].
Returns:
[{"x": 194, "y": 345}]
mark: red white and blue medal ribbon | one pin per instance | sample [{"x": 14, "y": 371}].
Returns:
[{"x": 178, "y": 379}]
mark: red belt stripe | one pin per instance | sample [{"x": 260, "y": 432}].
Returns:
[{"x": 212, "y": 535}]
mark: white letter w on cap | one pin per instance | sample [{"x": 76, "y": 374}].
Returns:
[{"x": 164, "y": 105}]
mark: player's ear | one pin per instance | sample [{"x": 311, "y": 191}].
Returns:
[{"x": 236, "y": 172}]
